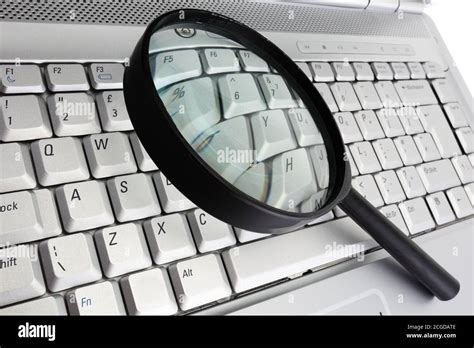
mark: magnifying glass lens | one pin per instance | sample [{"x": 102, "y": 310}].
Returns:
[{"x": 239, "y": 114}]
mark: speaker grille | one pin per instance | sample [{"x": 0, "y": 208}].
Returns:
[{"x": 264, "y": 16}]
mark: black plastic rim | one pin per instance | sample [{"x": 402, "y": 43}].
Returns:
[{"x": 186, "y": 169}]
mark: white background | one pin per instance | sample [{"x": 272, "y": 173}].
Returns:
[{"x": 455, "y": 21}]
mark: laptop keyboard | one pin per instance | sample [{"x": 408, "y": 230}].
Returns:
[{"x": 90, "y": 225}]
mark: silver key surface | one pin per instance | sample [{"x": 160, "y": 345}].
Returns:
[
  {"x": 133, "y": 197},
  {"x": 73, "y": 114},
  {"x": 348, "y": 127},
  {"x": 363, "y": 71},
  {"x": 217, "y": 60},
  {"x": 415, "y": 92},
  {"x": 365, "y": 157},
  {"x": 149, "y": 293},
  {"x": 19, "y": 173},
  {"x": 367, "y": 95},
  {"x": 411, "y": 182},
  {"x": 387, "y": 153},
  {"x": 199, "y": 281},
  {"x": 390, "y": 122},
  {"x": 444, "y": 90},
  {"x": 366, "y": 186},
  {"x": 210, "y": 233},
  {"x": 327, "y": 96},
  {"x": 59, "y": 160},
  {"x": 171, "y": 198},
  {"x": 66, "y": 77},
  {"x": 21, "y": 79},
  {"x": 416, "y": 70},
  {"x": 106, "y": 76},
  {"x": 369, "y": 125},
  {"x": 464, "y": 168},
  {"x": 410, "y": 120},
  {"x": 427, "y": 147},
  {"x": 169, "y": 238},
  {"x": 144, "y": 161},
  {"x": 122, "y": 249},
  {"x": 382, "y": 71},
  {"x": 322, "y": 72},
  {"x": 97, "y": 299},
  {"x": 20, "y": 274},
  {"x": 304, "y": 127},
  {"x": 276, "y": 92},
  {"x": 389, "y": 185},
  {"x": 440, "y": 208},
  {"x": 407, "y": 150},
  {"x": 171, "y": 67},
  {"x": 51, "y": 305},
  {"x": 84, "y": 205},
  {"x": 456, "y": 115},
  {"x": 400, "y": 71},
  {"x": 26, "y": 216},
  {"x": 344, "y": 71},
  {"x": 109, "y": 154},
  {"x": 388, "y": 95},
  {"x": 252, "y": 63},
  {"x": 460, "y": 202},
  {"x": 345, "y": 96},
  {"x": 438, "y": 175},
  {"x": 433, "y": 70},
  {"x": 113, "y": 112},
  {"x": 69, "y": 261},
  {"x": 417, "y": 215},
  {"x": 23, "y": 118},
  {"x": 392, "y": 213},
  {"x": 466, "y": 138}
]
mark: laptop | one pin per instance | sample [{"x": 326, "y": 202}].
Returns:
[{"x": 90, "y": 226}]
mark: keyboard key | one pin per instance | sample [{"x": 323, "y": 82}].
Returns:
[
  {"x": 382, "y": 71},
  {"x": 209, "y": 233},
  {"x": 392, "y": 213},
  {"x": 344, "y": 71},
  {"x": 464, "y": 168},
  {"x": 149, "y": 293},
  {"x": 66, "y": 77},
  {"x": 427, "y": 147},
  {"x": 466, "y": 138},
  {"x": 348, "y": 127},
  {"x": 199, "y": 281},
  {"x": 21, "y": 275},
  {"x": 407, "y": 149},
  {"x": 416, "y": 71},
  {"x": 438, "y": 175},
  {"x": 345, "y": 96},
  {"x": 144, "y": 161},
  {"x": 244, "y": 236},
  {"x": 388, "y": 95},
  {"x": 122, "y": 249},
  {"x": 23, "y": 118},
  {"x": 440, "y": 208},
  {"x": 363, "y": 72},
  {"x": 106, "y": 76},
  {"x": 369, "y": 125},
  {"x": 272, "y": 133},
  {"x": 390, "y": 122},
  {"x": 435, "y": 123},
  {"x": 354, "y": 170},
  {"x": 387, "y": 153},
  {"x": 470, "y": 192},
  {"x": 169, "y": 238},
  {"x": 319, "y": 158},
  {"x": 51, "y": 305},
  {"x": 216, "y": 61},
  {"x": 411, "y": 182},
  {"x": 444, "y": 90},
  {"x": 433, "y": 70},
  {"x": 322, "y": 72},
  {"x": 276, "y": 92},
  {"x": 390, "y": 187},
  {"x": 113, "y": 112},
  {"x": 97, "y": 299},
  {"x": 133, "y": 197},
  {"x": 26, "y": 216},
  {"x": 366, "y": 186},
  {"x": 326, "y": 94},
  {"x": 109, "y": 154},
  {"x": 69, "y": 261},
  {"x": 172, "y": 200},
  {"x": 456, "y": 115},
  {"x": 293, "y": 180},
  {"x": 415, "y": 92},
  {"x": 249, "y": 268},
  {"x": 19, "y": 173},
  {"x": 461, "y": 204},
  {"x": 240, "y": 95},
  {"x": 73, "y": 114},
  {"x": 20, "y": 79},
  {"x": 365, "y": 158},
  {"x": 171, "y": 67},
  {"x": 417, "y": 215},
  {"x": 252, "y": 63},
  {"x": 410, "y": 120},
  {"x": 59, "y": 160},
  {"x": 400, "y": 71},
  {"x": 84, "y": 206},
  {"x": 194, "y": 105},
  {"x": 367, "y": 95},
  {"x": 304, "y": 127}
]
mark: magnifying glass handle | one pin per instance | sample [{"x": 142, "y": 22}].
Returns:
[{"x": 434, "y": 277}]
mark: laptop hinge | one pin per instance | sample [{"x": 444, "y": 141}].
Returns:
[{"x": 409, "y": 6}]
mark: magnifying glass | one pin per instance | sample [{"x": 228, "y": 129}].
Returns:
[{"x": 238, "y": 128}]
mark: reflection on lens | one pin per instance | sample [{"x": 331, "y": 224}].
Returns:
[{"x": 242, "y": 118}]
